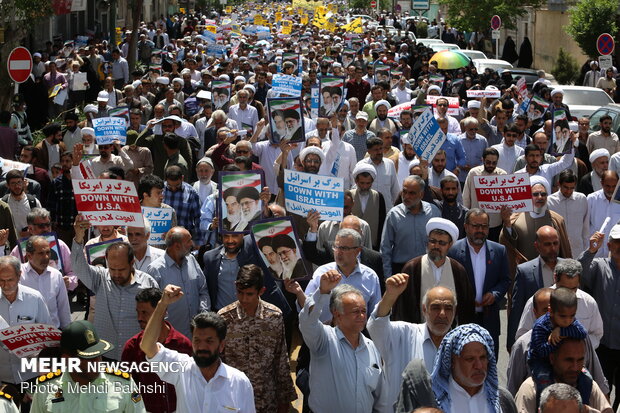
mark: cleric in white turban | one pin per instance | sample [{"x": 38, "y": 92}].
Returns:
[{"x": 364, "y": 167}]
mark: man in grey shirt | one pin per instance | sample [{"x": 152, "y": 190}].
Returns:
[
  {"x": 179, "y": 267},
  {"x": 115, "y": 287}
]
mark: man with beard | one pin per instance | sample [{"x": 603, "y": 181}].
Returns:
[
  {"x": 169, "y": 337},
  {"x": 234, "y": 218},
  {"x": 450, "y": 207},
  {"x": 106, "y": 158},
  {"x": 279, "y": 126},
  {"x": 486, "y": 264},
  {"x": 400, "y": 342},
  {"x": 20, "y": 203},
  {"x": 382, "y": 121},
  {"x": 368, "y": 204},
  {"x": 439, "y": 171},
  {"x": 599, "y": 159},
  {"x": 534, "y": 165},
  {"x": 286, "y": 248},
  {"x": 114, "y": 286},
  {"x": 600, "y": 206},
  {"x": 293, "y": 126},
  {"x": 386, "y": 181},
  {"x": 474, "y": 145},
  {"x": 204, "y": 185},
  {"x": 433, "y": 269},
  {"x": 178, "y": 266},
  {"x": 249, "y": 200},
  {"x": 519, "y": 232},
  {"x": 144, "y": 254},
  {"x": 274, "y": 262},
  {"x": 209, "y": 384},
  {"x": 508, "y": 151},
  {"x": 47, "y": 152},
  {"x": 73, "y": 134},
  {"x": 406, "y": 155},
  {"x": 490, "y": 158},
  {"x": 359, "y": 136}
]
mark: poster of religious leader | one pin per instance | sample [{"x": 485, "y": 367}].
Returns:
[
  {"x": 240, "y": 202},
  {"x": 286, "y": 119},
  {"x": 331, "y": 92},
  {"x": 279, "y": 248},
  {"x": 220, "y": 94}
]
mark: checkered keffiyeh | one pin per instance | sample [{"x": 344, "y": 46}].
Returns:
[{"x": 453, "y": 343}]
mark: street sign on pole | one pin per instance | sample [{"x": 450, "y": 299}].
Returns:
[
  {"x": 373, "y": 4},
  {"x": 496, "y": 22},
  {"x": 605, "y": 44},
  {"x": 605, "y": 62},
  {"x": 420, "y": 4},
  {"x": 19, "y": 64}
]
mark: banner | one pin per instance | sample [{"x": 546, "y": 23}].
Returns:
[
  {"x": 108, "y": 202},
  {"x": 426, "y": 136},
  {"x": 9, "y": 165},
  {"x": 240, "y": 204},
  {"x": 220, "y": 94},
  {"x": 522, "y": 88},
  {"x": 286, "y": 119},
  {"x": 314, "y": 102},
  {"x": 97, "y": 251},
  {"x": 278, "y": 246},
  {"x": 537, "y": 107},
  {"x": 161, "y": 222},
  {"x": 331, "y": 93},
  {"x": 561, "y": 134},
  {"x": 495, "y": 191},
  {"x": 382, "y": 73},
  {"x": 286, "y": 85},
  {"x": 453, "y": 103},
  {"x": 27, "y": 340},
  {"x": 107, "y": 130},
  {"x": 55, "y": 256},
  {"x": 484, "y": 93},
  {"x": 304, "y": 192}
]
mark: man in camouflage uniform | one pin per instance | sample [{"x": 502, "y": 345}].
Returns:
[
  {"x": 256, "y": 344},
  {"x": 85, "y": 391}
]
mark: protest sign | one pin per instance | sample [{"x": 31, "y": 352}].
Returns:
[
  {"x": 304, "y": 192},
  {"x": 561, "y": 134},
  {"x": 9, "y": 165},
  {"x": 55, "y": 256},
  {"x": 348, "y": 57},
  {"x": 286, "y": 85},
  {"x": 286, "y": 119},
  {"x": 396, "y": 110},
  {"x": 522, "y": 88},
  {"x": 108, "y": 202},
  {"x": 471, "y": 93},
  {"x": 79, "y": 81},
  {"x": 453, "y": 103},
  {"x": 107, "y": 130},
  {"x": 436, "y": 79},
  {"x": 314, "y": 102},
  {"x": 537, "y": 107},
  {"x": 27, "y": 340},
  {"x": 220, "y": 94},
  {"x": 382, "y": 73},
  {"x": 331, "y": 93},
  {"x": 161, "y": 222},
  {"x": 97, "y": 250},
  {"x": 240, "y": 204},
  {"x": 278, "y": 245},
  {"x": 426, "y": 136},
  {"x": 86, "y": 165},
  {"x": 513, "y": 191}
]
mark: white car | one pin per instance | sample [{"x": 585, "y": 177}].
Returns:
[
  {"x": 473, "y": 54},
  {"x": 439, "y": 47},
  {"x": 495, "y": 64},
  {"x": 583, "y": 100}
]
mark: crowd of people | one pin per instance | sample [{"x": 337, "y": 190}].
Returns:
[{"x": 400, "y": 310}]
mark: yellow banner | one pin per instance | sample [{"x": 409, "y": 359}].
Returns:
[
  {"x": 333, "y": 8},
  {"x": 355, "y": 26},
  {"x": 228, "y": 9},
  {"x": 306, "y": 4},
  {"x": 258, "y": 20},
  {"x": 278, "y": 16},
  {"x": 286, "y": 29},
  {"x": 212, "y": 29},
  {"x": 304, "y": 19},
  {"x": 182, "y": 10}
]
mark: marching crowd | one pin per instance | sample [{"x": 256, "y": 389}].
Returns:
[{"x": 402, "y": 310}]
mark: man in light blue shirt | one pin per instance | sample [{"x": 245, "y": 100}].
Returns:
[
  {"x": 400, "y": 342},
  {"x": 474, "y": 144},
  {"x": 346, "y": 374},
  {"x": 120, "y": 70},
  {"x": 347, "y": 247},
  {"x": 179, "y": 267},
  {"x": 404, "y": 232}
]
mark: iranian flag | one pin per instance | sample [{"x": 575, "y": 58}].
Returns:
[
  {"x": 241, "y": 180},
  {"x": 272, "y": 228},
  {"x": 332, "y": 81},
  {"x": 542, "y": 102},
  {"x": 284, "y": 104}
]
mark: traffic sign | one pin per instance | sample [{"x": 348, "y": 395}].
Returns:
[
  {"x": 605, "y": 62},
  {"x": 19, "y": 64},
  {"x": 373, "y": 4},
  {"x": 605, "y": 44},
  {"x": 420, "y": 4},
  {"x": 496, "y": 22},
  {"x": 495, "y": 34}
]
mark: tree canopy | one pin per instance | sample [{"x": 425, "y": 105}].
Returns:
[
  {"x": 588, "y": 20},
  {"x": 475, "y": 15}
]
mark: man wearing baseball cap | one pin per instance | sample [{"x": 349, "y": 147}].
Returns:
[{"x": 86, "y": 390}]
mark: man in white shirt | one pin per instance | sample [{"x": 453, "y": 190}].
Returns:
[
  {"x": 601, "y": 207},
  {"x": 386, "y": 181},
  {"x": 534, "y": 156},
  {"x": 19, "y": 201},
  {"x": 567, "y": 274},
  {"x": 208, "y": 384},
  {"x": 573, "y": 207},
  {"x": 144, "y": 254},
  {"x": 401, "y": 92},
  {"x": 104, "y": 161},
  {"x": 37, "y": 274},
  {"x": 400, "y": 342},
  {"x": 508, "y": 151},
  {"x": 340, "y": 159},
  {"x": 242, "y": 112}
]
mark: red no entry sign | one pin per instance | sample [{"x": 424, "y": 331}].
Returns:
[
  {"x": 605, "y": 44},
  {"x": 373, "y": 4},
  {"x": 496, "y": 22},
  {"x": 19, "y": 64}
]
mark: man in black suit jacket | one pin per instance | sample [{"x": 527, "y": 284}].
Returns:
[{"x": 240, "y": 248}]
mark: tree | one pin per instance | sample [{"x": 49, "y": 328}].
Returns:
[
  {"x": 565, "y": 69},
  {"x": 475, "y": 15},
  {"x": 588, "y": 20},
  {"x": 21, "y": 17}
]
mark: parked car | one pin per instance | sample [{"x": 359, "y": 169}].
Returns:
[
  {"x": 393, "y": 32},
  {"x": 473, "y": 54},
  {"x": 530, "y": 75},
  {"x": 439, "y": 47},
  {"x": 584, "y": 100},
  {"x": 495, "y": 64},
  {"x": 427, "y": 42},
  {"x": 613, "y": 110}
]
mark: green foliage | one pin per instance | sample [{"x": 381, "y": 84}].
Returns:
[
  {"x": 566, "y": 69},
  {"x": 422, "y": 30},
  {"x": 588, "y": 20},
  {"x": 475, "y": 15}
]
